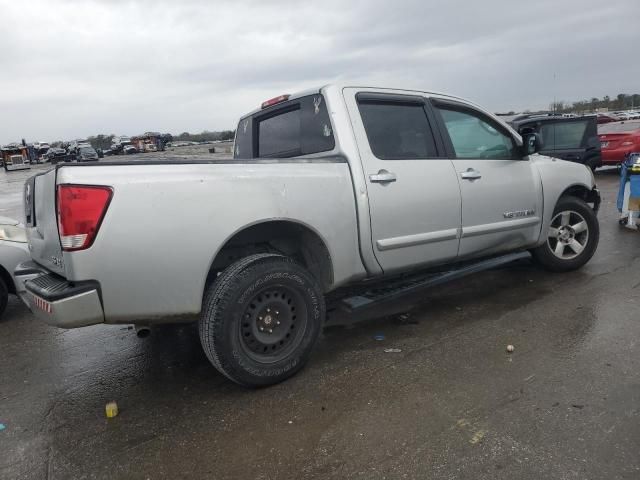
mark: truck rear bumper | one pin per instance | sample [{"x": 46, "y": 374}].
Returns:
[{"x": 56, "y": 301}]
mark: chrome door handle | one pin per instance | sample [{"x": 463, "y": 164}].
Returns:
[
  {"x": 382, "y": 177},
  {"x": 470, "y": 174}
]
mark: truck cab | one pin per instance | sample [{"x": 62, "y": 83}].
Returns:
[{"x": 15, "y": 157}]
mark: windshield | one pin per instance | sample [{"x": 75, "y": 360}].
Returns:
[
  {"x": 618, "y": 127},
  {"x": 87, "y": 150}
]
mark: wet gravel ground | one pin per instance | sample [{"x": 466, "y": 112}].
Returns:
[{"x": 451, "y": 404}]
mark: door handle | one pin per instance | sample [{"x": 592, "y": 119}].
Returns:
[
  {"x": 470, "y": 174},
  {"x": 382, "y": 177}
]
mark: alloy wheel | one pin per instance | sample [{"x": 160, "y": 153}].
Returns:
[{"x": 568, "y": 235}]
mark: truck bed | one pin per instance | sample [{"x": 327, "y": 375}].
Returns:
[{"x": 169, "y": 216}]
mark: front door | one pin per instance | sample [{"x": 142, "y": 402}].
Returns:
[
  {"x": 413, "y": 192},
  {"x": 501, "y": 193}
]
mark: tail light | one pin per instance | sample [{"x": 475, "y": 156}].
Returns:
[{"x": 81, "y": 209}]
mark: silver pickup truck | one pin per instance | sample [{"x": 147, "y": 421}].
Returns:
[{"x": 333, "y": 187}]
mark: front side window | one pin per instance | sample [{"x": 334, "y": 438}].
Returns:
[
  {"x": 557, "y": 136},
  {"x": 397, "y": 131},
  {"x": 473, "y": 136}
]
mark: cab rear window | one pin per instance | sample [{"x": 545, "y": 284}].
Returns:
[
  {"x": 290, "y": 129},
  {"x": 279, "y": 136}
]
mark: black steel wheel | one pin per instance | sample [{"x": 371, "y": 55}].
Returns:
[
  {"x": 260, "y": 319},
  {"x": 273, "y": 324}
]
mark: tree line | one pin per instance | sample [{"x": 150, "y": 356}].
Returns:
[
  {"x": 622, "y": 101},
  {"x": 206, "y": 136}
]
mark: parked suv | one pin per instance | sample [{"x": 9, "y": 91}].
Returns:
[{"x": 569, "y": 138}]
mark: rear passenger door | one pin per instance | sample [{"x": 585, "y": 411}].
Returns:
[
  {"x": 501, "y": 190},
  {"x": 413, "y": 192}
]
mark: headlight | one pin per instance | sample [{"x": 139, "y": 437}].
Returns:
[{"x": 13, "y": 233}]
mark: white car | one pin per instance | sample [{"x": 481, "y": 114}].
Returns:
[
  {"x": 13, "y": 251},
  {"x": 622, "y": 115}
]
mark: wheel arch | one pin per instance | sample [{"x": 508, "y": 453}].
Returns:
[
  {"x": 553, "y": 193},
  {"x": 280, "y": 235},
  {"x": 577, "y": 190}
]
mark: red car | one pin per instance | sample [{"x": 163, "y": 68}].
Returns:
[{"x": 618, "y": 139}]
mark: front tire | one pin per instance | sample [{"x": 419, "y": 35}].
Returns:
[
  {"x": 260, "y": 319},
  {"x": 572, "y": 237}
]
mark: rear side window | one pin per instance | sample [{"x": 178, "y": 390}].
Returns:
[
  {"x": 397, "y": 131},
  {"x": 557, "y": 136},
  {"x": 298, "y": 127}
]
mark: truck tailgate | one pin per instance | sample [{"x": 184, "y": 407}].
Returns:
[{"x": 41, "y": 221}]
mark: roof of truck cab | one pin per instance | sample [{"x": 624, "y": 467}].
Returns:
[{"x": 342, "y": 86}]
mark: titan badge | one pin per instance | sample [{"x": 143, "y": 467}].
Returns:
[{"x": 519, "y": 213}]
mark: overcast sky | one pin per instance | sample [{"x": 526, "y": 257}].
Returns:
[{"x": 75, "y": 68}]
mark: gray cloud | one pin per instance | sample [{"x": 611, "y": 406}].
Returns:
[{"x": 75, "y": 68}]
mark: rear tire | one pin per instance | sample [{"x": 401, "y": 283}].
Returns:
[
  {"x": 572, "y": 237},
  {"x": 4, "y": 297},
  {"x": 260, "y": 319}
]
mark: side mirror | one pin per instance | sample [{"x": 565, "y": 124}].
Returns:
[{"x": 531, "y": 143}]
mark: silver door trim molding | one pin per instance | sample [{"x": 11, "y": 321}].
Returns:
[
  {"x": 417, "y": 239},
  {"x": 499, "y": 226}
]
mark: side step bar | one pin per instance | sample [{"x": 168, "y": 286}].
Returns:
[{"x": 405, "y": 286}]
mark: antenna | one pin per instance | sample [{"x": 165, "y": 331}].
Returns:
[
  {"x": 555, "y": 105},
  {"x": 555, "y": 108}
]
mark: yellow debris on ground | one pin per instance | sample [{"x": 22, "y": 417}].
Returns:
[{"x": 111, "y": 409}]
